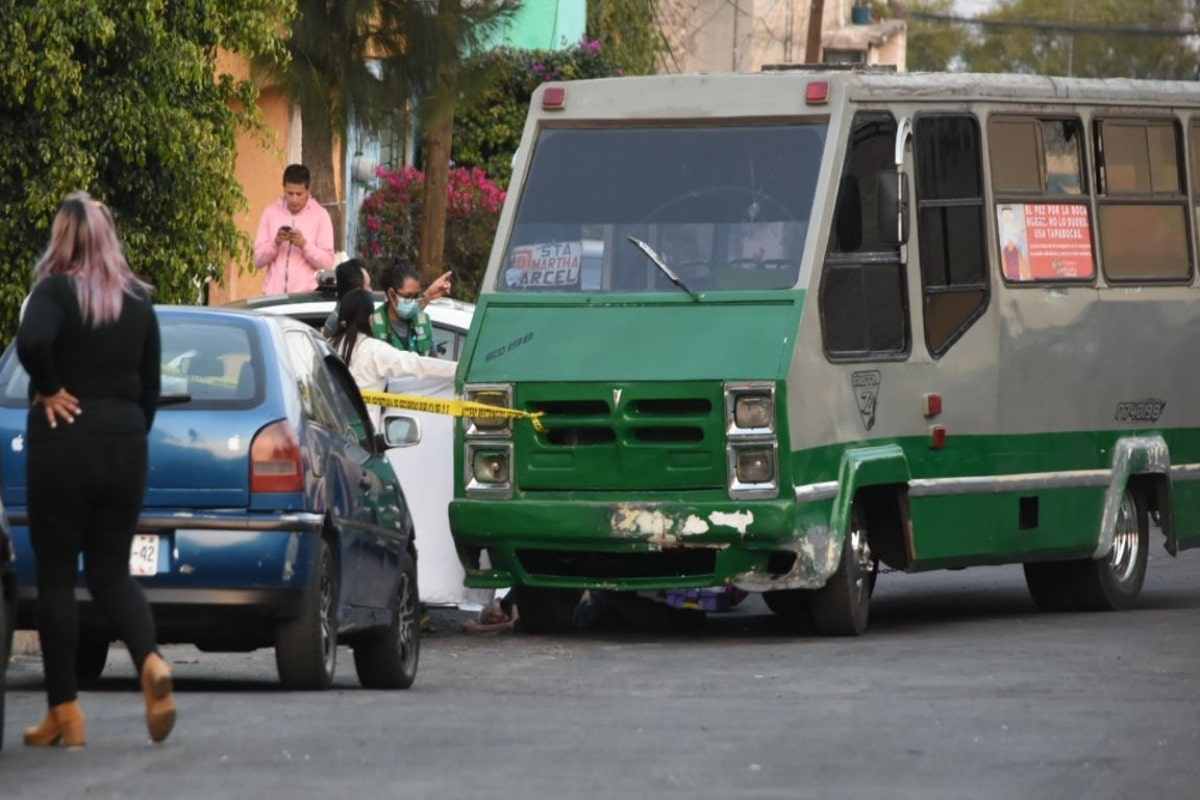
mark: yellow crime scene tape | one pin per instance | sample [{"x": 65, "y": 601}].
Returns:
[{"x": 454, "y": 408}]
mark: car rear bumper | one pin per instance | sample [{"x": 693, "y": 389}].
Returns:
[
  {"x": 210, "y": 520},
  {"x": 257, "y": 564}
]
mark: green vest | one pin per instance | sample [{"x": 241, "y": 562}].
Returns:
[{"x": 420, "y": 331}]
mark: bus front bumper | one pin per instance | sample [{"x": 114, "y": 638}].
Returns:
[{"x": 756, "y": 545}]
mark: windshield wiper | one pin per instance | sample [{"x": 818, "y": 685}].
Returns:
[
  {"x": 662, "y": 265},
  {"x": 174, "y": 398}
]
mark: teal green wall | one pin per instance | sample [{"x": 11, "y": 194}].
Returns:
[{"x": 546, "y": 25}]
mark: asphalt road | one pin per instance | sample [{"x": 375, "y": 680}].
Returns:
[{"x": 960, "y": 689}]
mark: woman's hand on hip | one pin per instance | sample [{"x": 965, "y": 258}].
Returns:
[{"x": 60, "y": 405}]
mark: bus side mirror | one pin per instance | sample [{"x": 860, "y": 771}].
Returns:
[{"x": 891, "y": 191}]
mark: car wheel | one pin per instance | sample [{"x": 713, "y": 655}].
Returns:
[
  {"x": 841, "y": 606},
  {"x": 5, "y": 626},
  {"x": 306, "y": 646},
  {"x": 91, "y": 654},
  {"x": 10, "y": 617},
  {"x": 387, "y": 659}
]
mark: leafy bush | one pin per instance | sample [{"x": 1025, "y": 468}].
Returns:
[
  {"x": 128, "y": 101},
  {"x": 391, "y": 221}
]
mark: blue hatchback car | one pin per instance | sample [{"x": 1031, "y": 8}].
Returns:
[{"x": 271, "y": 515}]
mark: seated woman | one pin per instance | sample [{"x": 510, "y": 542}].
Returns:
[{"x": 372, "y": 361}]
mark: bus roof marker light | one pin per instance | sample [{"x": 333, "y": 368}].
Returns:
[
  {"x": 816, "y": 92},
  {"x": 554, "y": 98}
]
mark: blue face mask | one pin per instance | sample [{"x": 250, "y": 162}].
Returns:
[{"x": 407, "y": 309}]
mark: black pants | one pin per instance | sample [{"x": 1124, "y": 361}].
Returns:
[{"x": 85, "y": 494}]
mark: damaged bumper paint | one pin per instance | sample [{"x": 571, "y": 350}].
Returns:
[
  {"x": 750, "y": 542},
  {"x": 818, "y": 553}
]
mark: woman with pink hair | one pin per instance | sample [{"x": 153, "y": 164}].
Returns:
[{"x": 89, "y": 340}]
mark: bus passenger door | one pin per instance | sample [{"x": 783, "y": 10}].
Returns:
[{"x": 949, "y": 246}]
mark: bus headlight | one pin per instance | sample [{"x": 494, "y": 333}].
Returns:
[
  {"x": 749, "y": 409},
  {"x": 754, "y": 464},
  {"x": 499, "y": 395},
  {"x": 754, "y": 411},
  {"x": 489, "y": 469},
  {"x": 490, "y": 466}
]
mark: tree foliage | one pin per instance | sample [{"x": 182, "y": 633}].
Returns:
[
  {"x": 125, "y": 101},
  {"x": 1112, "y": 39},
  {"x": 391, "y": 218},
  {"x": 488, "y": 125},
  {"x": 362, "y": 62},
  {"x": 933, "y": 46},
  {"x": 629, "y": 32}
]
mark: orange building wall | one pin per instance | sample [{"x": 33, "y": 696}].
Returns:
[{"x": 259, "y": 169}]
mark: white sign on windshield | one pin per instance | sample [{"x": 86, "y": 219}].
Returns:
[{"x": 555, "y": 264}]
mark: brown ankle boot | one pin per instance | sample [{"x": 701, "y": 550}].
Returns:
[
  {"x": 63, "y": 725},
  {"x": 160, "y": 703}
]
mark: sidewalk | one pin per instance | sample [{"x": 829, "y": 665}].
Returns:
[{"x": 25, "y": 643}]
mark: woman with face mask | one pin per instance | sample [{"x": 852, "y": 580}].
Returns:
[
  {"x": 371, "y": 360},
  {"x": 401, "y": 321}
]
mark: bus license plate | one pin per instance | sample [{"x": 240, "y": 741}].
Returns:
[{"x": 143, "y": 556}]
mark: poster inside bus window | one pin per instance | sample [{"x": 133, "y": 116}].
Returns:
[
  {"x": 1045, "y": 241},
  {"x": 555, "y": 265}
]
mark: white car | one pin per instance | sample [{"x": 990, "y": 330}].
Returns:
[
  {"x": 425, "y": 468},
  {"x": 450, "y": 318}
]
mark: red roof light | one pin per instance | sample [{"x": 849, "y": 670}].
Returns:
[
  {"x": 817, "y": 92},
  {"x": 554, "y": 98}
]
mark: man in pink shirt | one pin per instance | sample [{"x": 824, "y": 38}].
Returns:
[{"x": 295, "y": 237}]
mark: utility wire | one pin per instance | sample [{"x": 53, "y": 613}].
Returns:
[{"x": 1059, "y": 27}]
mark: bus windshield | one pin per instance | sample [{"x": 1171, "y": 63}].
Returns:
[{"x": 726, "y": 208}]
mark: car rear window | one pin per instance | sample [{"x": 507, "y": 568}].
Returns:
[
  {"x": 210, "y": 364},
  {"x": 205, "y": 364}
]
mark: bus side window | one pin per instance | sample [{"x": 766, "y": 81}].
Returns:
[
  {"x": 863, "y": 294},
  {"x": 1143, "y": 203},
  {"x": 1043, "y": 219},
  {"x": 950, "y": 209}
]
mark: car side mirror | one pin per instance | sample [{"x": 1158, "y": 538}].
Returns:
[
  {"x": 440, "y": 348},
  {"x": 891, "y": 192},
  {"x": 401, "y": 431}
]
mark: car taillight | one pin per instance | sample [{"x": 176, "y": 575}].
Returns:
[{"x": 275, "y": 460}]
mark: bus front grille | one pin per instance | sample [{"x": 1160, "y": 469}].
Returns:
[{"x": 644, "y": 436}]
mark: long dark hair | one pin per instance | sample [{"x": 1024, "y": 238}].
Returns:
[
  {"x": 349, "y": 276},
  {"x": 354, "y": 321},
  {"x": 83, "y": 242}
]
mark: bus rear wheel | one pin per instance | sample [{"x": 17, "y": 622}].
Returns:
[
  {"x": 1111, "y": 583},
  {"x": 840, "y": 607}
]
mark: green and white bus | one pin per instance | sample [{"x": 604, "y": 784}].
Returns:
[{"x": 784, "y": 328}]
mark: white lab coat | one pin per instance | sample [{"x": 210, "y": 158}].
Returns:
[{"x": 373, "y": 361}]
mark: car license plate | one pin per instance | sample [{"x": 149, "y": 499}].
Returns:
[{"x": 143, "y": 556}]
